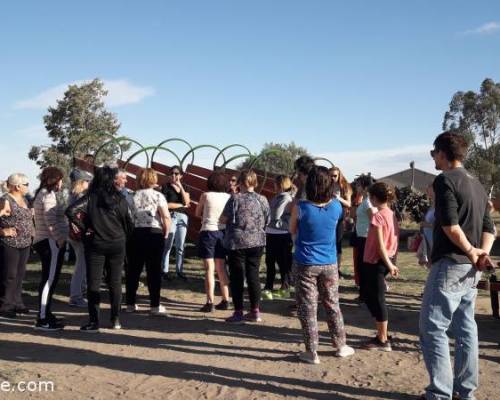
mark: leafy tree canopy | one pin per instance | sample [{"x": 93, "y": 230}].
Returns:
[
  {"x": 477, "y": 117},
  {"x": 277, "y": 158},
  {"x": 80, "y": 113}
]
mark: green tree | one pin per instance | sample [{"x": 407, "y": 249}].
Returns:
[
  {"x": 477, "y": 117},
  {"x": 277, "y": 158},
  {"x": 81, "y": 113}
]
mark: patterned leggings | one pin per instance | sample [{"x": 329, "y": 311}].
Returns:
[{"x": 312, "y": 280}]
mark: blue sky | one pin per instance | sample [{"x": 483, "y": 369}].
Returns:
[{"x": 363, "y": 83}]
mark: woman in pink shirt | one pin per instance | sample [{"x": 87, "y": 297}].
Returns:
[{"x": 378, "y": 261}]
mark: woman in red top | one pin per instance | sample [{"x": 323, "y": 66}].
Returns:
[{"x": 381, "y": 246}]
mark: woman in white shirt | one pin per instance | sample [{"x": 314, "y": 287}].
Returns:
[
  {"x": 210, "y": 245},
  {"x": 152, "y": 225}
]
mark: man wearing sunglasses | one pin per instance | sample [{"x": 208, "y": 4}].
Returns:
[{"x": 463, "y": 232}]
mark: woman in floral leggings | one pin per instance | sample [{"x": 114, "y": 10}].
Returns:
[{"x": 314, "y": 222}]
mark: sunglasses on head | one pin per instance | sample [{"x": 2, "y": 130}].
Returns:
[{"x": 25, "y": 184}]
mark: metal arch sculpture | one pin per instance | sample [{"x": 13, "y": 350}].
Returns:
[
  {"x": 197, "y": 148},
  {"x": 145, "y": 150},
  {"x": 223, "y": 150},
  {"x": 85, "y": 137},
  {"x": 118, "y": 140},
  {"x": 173, "y": 140}
]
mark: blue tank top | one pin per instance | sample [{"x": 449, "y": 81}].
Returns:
[{"x": 316, "y": 242}]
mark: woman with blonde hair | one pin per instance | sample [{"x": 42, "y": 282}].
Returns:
[
  {"x": 342, "y": 191},
  {"x": 79, "y": 185},
  {"x": 17, "y": 229},
  {"x": 246, "y": 216},
  {"x": 151, "y": 228},
  {"x": 278, "y": 239}
]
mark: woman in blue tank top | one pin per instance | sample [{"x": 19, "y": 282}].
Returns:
[{"x": 314, "y": 223}]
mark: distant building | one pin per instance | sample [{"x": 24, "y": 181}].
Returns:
[{"x": 420, "y": 179}]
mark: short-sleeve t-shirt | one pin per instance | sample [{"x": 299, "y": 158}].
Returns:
[
  {"x": 386, "y": 219},
  {"x": 146, "y": 204},
  {"x": 173, "y": 196}
]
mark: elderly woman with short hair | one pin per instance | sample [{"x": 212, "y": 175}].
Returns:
[{"x": 17, "y": 229}]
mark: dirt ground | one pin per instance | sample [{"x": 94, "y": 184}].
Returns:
[{"x": 190, "y": 355}]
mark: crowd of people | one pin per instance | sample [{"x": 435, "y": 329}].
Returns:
[{"x": 112, "y": 230}]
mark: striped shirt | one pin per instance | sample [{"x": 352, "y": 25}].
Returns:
[{"x": 50, "y": 222}]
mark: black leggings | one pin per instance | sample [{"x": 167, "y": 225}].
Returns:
[
  {"x": 13, "y": 262},
  {"x": 52, "y": 258},
  {"x": 146, "y": 248},
  {"x": 245, "y": 263},
  {"x": 111, "y": 259},
  {"x": 278, "y": 250},
  {"x": 372, "y": 284}
]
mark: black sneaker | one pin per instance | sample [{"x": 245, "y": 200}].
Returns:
[
  {"x": 182, "y": 276},
  {"x": 52, "y": 317},
  {"x": 208, "y": 307},
  {"x": 47, "y": 325},
  {"x": 91, "y": 327},
  {"x": 11, "y": 314},
  {"x": 115, "y": 324},
  {"x": 377, "y": 344},
  {"x": 22, "y": 310},
  {"x": 223, "y": 305}
]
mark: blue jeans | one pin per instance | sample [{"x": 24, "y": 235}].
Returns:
[
  {"x": 177, "y": 238},
  {"x": 448, "y": 304}
]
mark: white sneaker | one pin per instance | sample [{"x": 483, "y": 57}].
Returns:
[
  {"x": 344, "y": 351},
  {"x": 159, "y": 311},
  {"x": 132, "y": 308},
  {"x": 310, "y": 357}
]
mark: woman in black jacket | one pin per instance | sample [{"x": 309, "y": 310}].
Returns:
[{"x": 104, "y": 219}]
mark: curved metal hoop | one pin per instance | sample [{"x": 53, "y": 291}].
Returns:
[
  {"x": 197, "y": 148},
  {"x": 332, "y": 165},
  {"x": 145, "y": 150},
  {"x": 174, "y": 140},
  {"x": 222, "y": 151},
  {"x": 85, "y": 137},
  {"x": 118, "y": 141}
]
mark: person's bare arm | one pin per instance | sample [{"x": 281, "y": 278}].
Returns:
[
  {"x": 382, "y": 252},
  {"x": 293, "y": 228},
  {"x": 166, "y": 221},
  {"x": 199, "y": 207}
]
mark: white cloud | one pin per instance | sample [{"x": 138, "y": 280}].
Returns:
[
  {"x": 120, "y": 92},
  {"x": 382, "y": 162},
  {"x": 486, "y": 29}
]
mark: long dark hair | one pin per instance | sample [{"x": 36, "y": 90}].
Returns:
[
  {"x": 49, "y": 179},
  {"x": 103, "y": 187}
]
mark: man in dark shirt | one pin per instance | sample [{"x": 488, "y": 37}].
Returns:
[{"x": 463, "y": 232}]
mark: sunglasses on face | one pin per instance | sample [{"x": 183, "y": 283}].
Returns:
[
  {"x": 335, "y": 176},
  {"x": 175, "y": 173},
  {"x": 234, "y": 180},
  {"x": 433, "y": 153}
]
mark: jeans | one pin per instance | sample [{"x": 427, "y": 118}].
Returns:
[
  {"x": 79, "y": 278},
  {"x": 448, "y": 303},
  {"x": 177, "y": 238}
]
